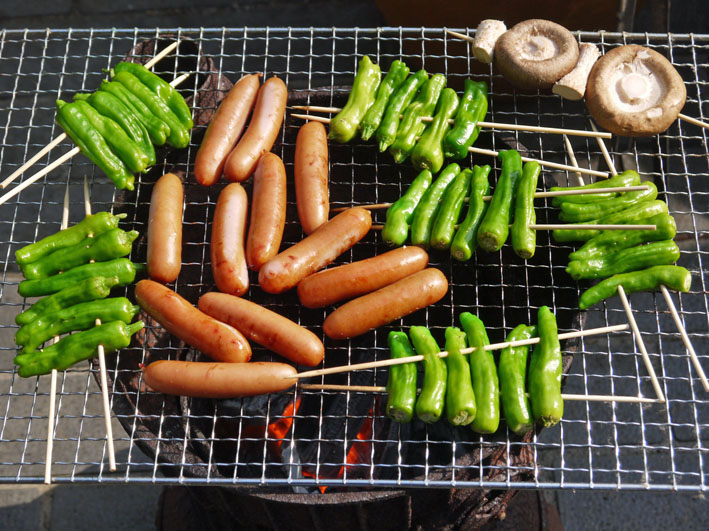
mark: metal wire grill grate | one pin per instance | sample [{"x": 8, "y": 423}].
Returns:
[{"x": 597, "y": 445}]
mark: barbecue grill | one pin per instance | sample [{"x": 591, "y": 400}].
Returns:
[{"x": 306, "y": 440}]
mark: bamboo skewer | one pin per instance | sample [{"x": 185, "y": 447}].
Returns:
[
  {"x": 483, "y": 124},
  {"x": 572, "y": 157},
  {"x": 567, "y": 226},
  {"x": 443, "y": 354}
]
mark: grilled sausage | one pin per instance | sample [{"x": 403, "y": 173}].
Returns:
[
  {"x": 265, "y": 327},
  {"x": 262, "y": 131},
  {"x": 218, "y": 380},
  {"x": 228, "y": 232},
  {"x": 268, "y": 211},
  {"x": 386, "y": 304},
  {"x": 225, "y": 129},
  {"x": 165, "y": 229},
  {"x": 217, "y": 340},
  {"x": 355, "y": 279},
  {"x": 313, "y": 253},
  {"x": 310, "y": 170}
]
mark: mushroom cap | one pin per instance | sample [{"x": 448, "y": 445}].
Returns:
[
  {"x": 634, "y": 91},
  {"x": 536, "y": 53}
]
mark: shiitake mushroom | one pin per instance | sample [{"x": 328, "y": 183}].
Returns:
[
  {"x": 536, "y": 53},
  {"x": 634, "y": 91}
]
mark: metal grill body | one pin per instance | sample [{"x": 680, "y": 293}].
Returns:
[{"x": 597, "y": 445}]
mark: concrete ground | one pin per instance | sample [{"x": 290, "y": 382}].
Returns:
[{"x": 131, "y": 507}]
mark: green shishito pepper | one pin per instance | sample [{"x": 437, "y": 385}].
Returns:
[
  {"x": 107, "y": 246},
  {"x": 79, "y": 317},
  {"x": 673, "y": 277},
  {"x": 663, "y": 252},
  {"x": 472, "y": 109},
  {"x": 634, "y": 214},
  {"x": 425, "y": 212},
  {"x": 484, "y": 374},
  {"x": 179, "y": 135},
  {"x": 401, "y": 385},
  {"x": 449, "y": 210},
  {"x": 524, "y": 239},
  {"x": 428, "y": 151},
  {"x": 401, "y": 212},
  {"x": 545, "y": 370},
  {"x": 91, "y": 225},
  {"x": 611, "y": 241},
  {"x": 513, "y": 377},
  {"x": 89, "y": 289},
  {"x": 120, "y": 143},
  {"x": 122, "y": 268},
  {"x": 78, "y": 127},
  {"x": 392, "y": 81},
  {"x": 77, "y": 347},
  {"x": 577, "y": 212},
  {"x": 495, "y": 226},
  {"x": 400, "y": 100},
  {"x": 343, "y": 127},
  {"x": 111, "y": 107},
  {"x": 431, "y": 401},
  {"x": 162, "y": 88},
  {"x": 157, "y": 129},
  {"x": 627, "y": 178},
  {"x": 412, "y": 125},
  {"x": 460, "y": 397},
  {"x": 466, "y": 237}
]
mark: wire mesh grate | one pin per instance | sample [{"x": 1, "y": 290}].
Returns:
[{"x": 280, "y": 443}]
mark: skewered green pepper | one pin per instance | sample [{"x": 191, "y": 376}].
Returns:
[
  {"x": 472, "y": 109},
  {"x": 611, "y": 241},
  {"x": 400, "y": 100},
  {"x": 425, "y": 212},
  {"x": 484, "y": 374},
  {"x": 430, "y": 403},
  {"x": 392, "y": 81},
  {"x": 92, "y": 144},
  {"x": 573, "y": 212},
  {"x": 545, "y": 372},
  {"x": 466, "y": 237},
  {"x": 627, "y": 178},
  {"x": 122, "y": 268},
  {"x": 162, "y": 88},
  {"x": 673, "y": 277},
  {"x": 112, "y": 244},
  {"x": 79, "y": 317},
  {"x": 400, "y": 214},
  {"x": 663, "y": 252},
  {"x": 460, "y": 397},
  {"x": 401, "y": 386},
  {"x": 495, "y": 226},
  {"x": 524, "y": 239},
  {"x": 634, "y": 214},
  {"x": 513, "y": 376},
  {"x": 343, "y": 127},
  {"x": 428, "y": 151},
  {"x": 91, "y": 225},
  {"x": 76, "y": 347},
  {"x": 449, "y": 210}
]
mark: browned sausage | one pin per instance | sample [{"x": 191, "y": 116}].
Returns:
[
  {"x": 310, "y": 170},
  {"x": 228, "y": 232},
  {"x": 355, "y": 279},
  {"x": 265, "y": 327},
  {"x": 219, "y": 341},
  {"x": 165, "y": 229},
  {"x": 387, "y": 304},
  {"x": 313, "y": 253},
  {"x": 218, "y": 380},
  {"x": 262, "y": 131},
  {"x": 268, "y": 211},
  {"x": 225, "y": 129}
]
